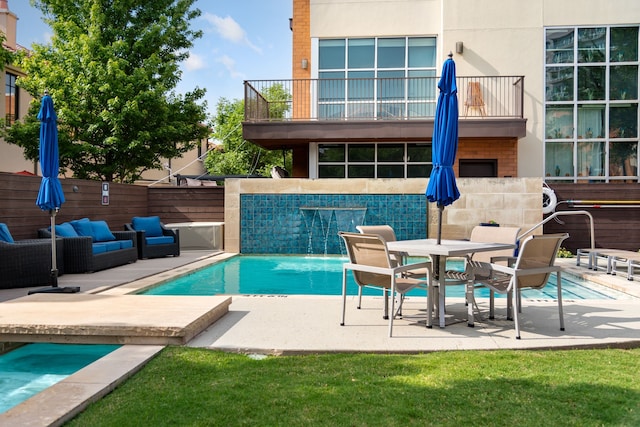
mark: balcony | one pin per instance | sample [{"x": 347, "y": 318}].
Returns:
[{"x": 284, "y": 113}]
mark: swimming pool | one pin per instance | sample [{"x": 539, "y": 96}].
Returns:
[
  {"x": 31, "y": 368},
  {"x": 322, "y": 275}
]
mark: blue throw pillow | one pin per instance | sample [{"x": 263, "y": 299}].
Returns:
[
  {"x": 5, "y": 236},
  {"x": 82, "y": 227},
  {"x": 65, "y": 230},
  {"x": 149, "y": 224},
  {"x": 101, "y": 232}
]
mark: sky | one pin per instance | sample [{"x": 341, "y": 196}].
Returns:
[{"x": 242, "y": 40}]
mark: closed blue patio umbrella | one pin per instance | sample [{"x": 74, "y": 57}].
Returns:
[
  {"x": 50, "y": 196},
  {"x": 442, "y": 188}
]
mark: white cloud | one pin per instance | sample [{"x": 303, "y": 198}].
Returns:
[
  {"x": 230, "y": 64},
  {"x": 230, "y": 30},
  {"x": 194, "y": 62}
]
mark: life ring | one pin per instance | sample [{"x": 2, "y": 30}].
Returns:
[{"x": 549, "y": 200}]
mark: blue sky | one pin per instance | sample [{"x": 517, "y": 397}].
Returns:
[{"x": 242, "y": 40}]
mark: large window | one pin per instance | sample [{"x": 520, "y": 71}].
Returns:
[
  {"x": 591, "y": 104},
  {"x": 377, "y": 77},
  {"x": 369, "y": 160},
  {"x": 11, "y": 98}
]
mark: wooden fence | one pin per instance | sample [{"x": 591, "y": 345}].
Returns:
[
  {"x": 615, "y": 227},
  {"x": 84, "y": 199}
]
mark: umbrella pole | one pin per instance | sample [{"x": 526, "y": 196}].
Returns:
[
  {"x": 440, "y": 209},
  {"x": 54, "y": 262}
]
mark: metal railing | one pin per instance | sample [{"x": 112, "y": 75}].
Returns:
[{"x": 379, "y": 98}]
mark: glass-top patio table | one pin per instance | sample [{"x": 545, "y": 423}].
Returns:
[{"x": 439, "y": 252}]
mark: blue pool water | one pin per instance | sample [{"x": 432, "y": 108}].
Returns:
[
  {"x": 32, "y": 368},
  {"x": 308, "y": 275}
]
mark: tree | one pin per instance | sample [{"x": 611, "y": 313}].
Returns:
[
  {"x": 6, "y": 56},
  {"x": 111, "y": 69},
  {"x": 237, "y": 156}
]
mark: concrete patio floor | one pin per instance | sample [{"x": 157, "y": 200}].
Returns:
[{"x": 304, "y": 324}]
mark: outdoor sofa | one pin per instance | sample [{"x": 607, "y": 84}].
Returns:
[
  {"x": 25, "y": 263},
  {"x": 153, "y": 239},
  {"x": 91, "y": 246}
]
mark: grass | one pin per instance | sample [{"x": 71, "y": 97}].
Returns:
[{"x": 197, "y": 387}]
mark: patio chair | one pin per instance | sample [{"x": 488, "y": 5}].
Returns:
[
  {"x": 372, "y": 265},
  {"x": 26, "y": 263},
  {"x": 154, "y": 240},
  {"x": 398, "y": 258},
  {"x": 482, "y": 234},
  {"x": 531, "y": 270}
]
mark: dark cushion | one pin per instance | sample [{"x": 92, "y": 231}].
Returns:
[
  {"x": 101, "y": 232},
  {"x": 99, "y": 248},
  {"x": 5, "y": 235},
  {"x": 162, "y": 240},
  {"x": 149, "y": 224},
  {"x": 82, "y": 227},
  {"x": 65, "y": 230},
  {"x": 125, "y": 244}
]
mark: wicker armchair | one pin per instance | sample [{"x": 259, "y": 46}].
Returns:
[
  {"x": 79, "y": 256},
  {"x": 27, "y": 263},
  {"x": 158, "y": 250}
]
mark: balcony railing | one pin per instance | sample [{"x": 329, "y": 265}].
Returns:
[{"x": 379, "y": 99}]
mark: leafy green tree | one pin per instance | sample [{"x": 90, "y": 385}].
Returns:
[
  {"x": 236, "y": 156},
  {"x": 111, "y": 69},
  {"x": 6, "y": 56}
]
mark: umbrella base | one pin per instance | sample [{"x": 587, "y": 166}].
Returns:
[{"x": 56, "y": 290}]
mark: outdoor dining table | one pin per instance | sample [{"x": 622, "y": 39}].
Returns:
[{"x": 439, "y": 252}]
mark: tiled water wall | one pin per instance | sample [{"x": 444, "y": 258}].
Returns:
[{"x": 309, "y": 223}]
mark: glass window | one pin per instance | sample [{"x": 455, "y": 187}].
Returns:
[
  {"x": 331, "y": 54},
  {"x": 623, "y": 159},
  {"x": 591, "y": 159},
  {"x": 361, "y": 152},
  {"x": 422, "y": 84},
  {"x": 591, "y": 121},
  {"x": 623, "y": 82},
  {"x": 390, "y": 171},
  {"x": 391, "y": 153},
  {"x": 559, "y": 121},
  {"x": 623, "y": 121},
  {"x": 559, "y": 84},
  {"x": 559, "y": 45},
  {"x": 391, "y": 53},
  {"x": 391, "y": 85},
  {"x": 361, "y": 53},
  {"x": 418, "y": 153},
  {"x": 331, "y": 86},
  {"x": 422, "y": 52},
  {"x": 331, "y": 171},
  {"x": 331, "y": 153},
  {"x": 360, "y": 85},
  {"x": 624, "y": 44},
  {"x": 11, "y": 98},
  {"x": 361, "y": 171},
  {"x": 418, "y": 171},
  {"x": 559, "y": 159},
  {"x": 592, "y": 103},
  {"x": 591, "y": 45},
  {"x": 591, "y": 83}
]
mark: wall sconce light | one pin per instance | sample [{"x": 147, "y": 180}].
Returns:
[
  {"x": 305, "y": 64},
  {"x": 459, "y": 47}
]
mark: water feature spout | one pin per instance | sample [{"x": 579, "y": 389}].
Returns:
[{"x": 323, "y": 223}]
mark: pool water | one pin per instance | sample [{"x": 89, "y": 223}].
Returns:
[
  {"x": 31, "y": 368},
  {"x": 322, "y": 275}
]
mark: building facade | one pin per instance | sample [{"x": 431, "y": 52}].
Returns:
[{"x": 546, "y": 89}]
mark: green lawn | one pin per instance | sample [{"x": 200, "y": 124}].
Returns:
[{"x": 196, "y": 387}]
